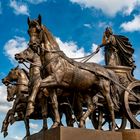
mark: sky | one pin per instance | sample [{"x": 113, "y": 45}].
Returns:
[{"x": 77, "y": 25}]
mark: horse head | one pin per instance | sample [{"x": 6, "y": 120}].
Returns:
[
  {"x": 12, "y": 76},
  {"x": 11, "y": 92},
  {"x": 35, "y": 32},
  {"x": 25, "y": 55},
  {"x": 39, "y": 35}
]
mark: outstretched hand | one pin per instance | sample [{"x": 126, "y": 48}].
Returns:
[{"x": 97, "y": 49}]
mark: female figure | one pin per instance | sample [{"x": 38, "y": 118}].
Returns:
[{"x": 118, "y": 49}]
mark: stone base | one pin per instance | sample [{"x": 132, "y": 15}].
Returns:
[
  {"x": 133, "y": 134},
  {"x": 70, "y": 133}
]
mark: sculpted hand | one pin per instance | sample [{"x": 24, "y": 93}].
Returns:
[{"x": 98, "y": 48}]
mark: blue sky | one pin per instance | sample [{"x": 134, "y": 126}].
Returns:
[{"x": 78, "y": 26}]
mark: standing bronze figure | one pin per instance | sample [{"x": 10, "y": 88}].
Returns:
[{"x": 118, "y": 49}]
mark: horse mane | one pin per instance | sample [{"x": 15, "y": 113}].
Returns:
[
  {"x": 50, "y": 37},
  {"x": 26, "y": 72}
]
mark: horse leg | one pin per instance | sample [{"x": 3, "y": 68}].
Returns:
[
  {"x": 100, "y": 118},
  {"x": 6, "y": 123},
  {"x": 55, "y": 109},
  {"x": 69, "y": 117},
  {"x": 90, "y": 109},
  {"x": 32, "y": 97},
  {"x": 106, "y": 93},
  {"x": 6, "y": 120},
  {"x": 26, "y": 122},
  {"x": 4, "y": 128},
  {"x": 43, "y": 102}
]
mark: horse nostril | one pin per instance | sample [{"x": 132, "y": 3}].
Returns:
[
  {"x": 16, "y": 56},
  {"x": 8, "y": 99}
]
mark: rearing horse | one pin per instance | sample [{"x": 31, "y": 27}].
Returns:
[
  {"x": 63, "y": 72},
  {"x": 20, "y": 89}
]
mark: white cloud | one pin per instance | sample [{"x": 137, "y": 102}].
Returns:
[
  {"x": 17, "y": 138},
  {"x": 133, "y": 25},
  {"x": 110, "y": 7},
  {"x": 18, "y": 44},
  {"x": 19, "y": 8},
  {"x": 72, "y": 51},
  {"x": 36, "y": 1},
  {"x": 4, "y": 104},
  {"x": 102, "y": 24},
  {"x": 13, "y": 46},
  {"x": 33, "y": 126},
  {"x": 87, "y": 25},
  {"x": 97, "y": 58}
]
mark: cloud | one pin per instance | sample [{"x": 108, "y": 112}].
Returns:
[
  {"x": 72, "y": 51},
  {"x": 36, "y": 1},
  {"x": 102, "y": 24},
  {"x": 13, "y": 46},
  {"x": 19, "y": 8},
  {"x": 133, "y": 25},
  {"x": 70, "y": 48},
  {"x": 18, "y": 44},
  {"x": 33, "y": 126},
  {"x": 88, "y": 25},
  {"x": 97, "y": 58},
  {"x": 4, "y": 104},
  {"x": 17, "y": 138},
  {"x": 110, "y": 7}
]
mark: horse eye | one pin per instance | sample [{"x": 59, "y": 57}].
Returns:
[{"x": 38, "y": 28}]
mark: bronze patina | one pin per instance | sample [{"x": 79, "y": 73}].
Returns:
[{"x": 56, "y": 84}]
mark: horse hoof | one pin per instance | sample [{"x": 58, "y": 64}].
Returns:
[
  {"x": 5, "y": 134},
  {"x": 56, "y": 124},
  {"x": 82, "y": 124}
]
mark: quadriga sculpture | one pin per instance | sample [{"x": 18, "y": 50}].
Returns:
[{"x": 62, "y": 72}]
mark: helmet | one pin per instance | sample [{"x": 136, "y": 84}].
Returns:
[{"x": 109, "y": 29}]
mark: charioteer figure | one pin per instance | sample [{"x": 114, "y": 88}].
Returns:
[{"x": 118, "y": 50}]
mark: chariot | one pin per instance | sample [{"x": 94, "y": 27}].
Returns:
[{"x": 129, "y": 101}]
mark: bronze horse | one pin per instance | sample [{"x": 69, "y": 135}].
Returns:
[
  {"x": 63, "y": 72},
  {"x": 19, "y": 77},
  {"x": 20, "y": 110},
  {"x": 35, "y": 81},
  {"x": 16, "y": 91},
  {"x": 35, "y": 68}
]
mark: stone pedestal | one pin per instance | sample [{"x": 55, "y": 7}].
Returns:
[
  {"x": 132, "y": 134},
  {"x": 69, "y": 133}
]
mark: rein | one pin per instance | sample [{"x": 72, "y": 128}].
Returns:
[
  {"x": 35, "y": 64},
  {"x": 17, "y": 83}
]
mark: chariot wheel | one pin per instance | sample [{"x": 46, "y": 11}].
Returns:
[
  {"x": 105, "y": 124},
  {"x": 132, "y": 103}
]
